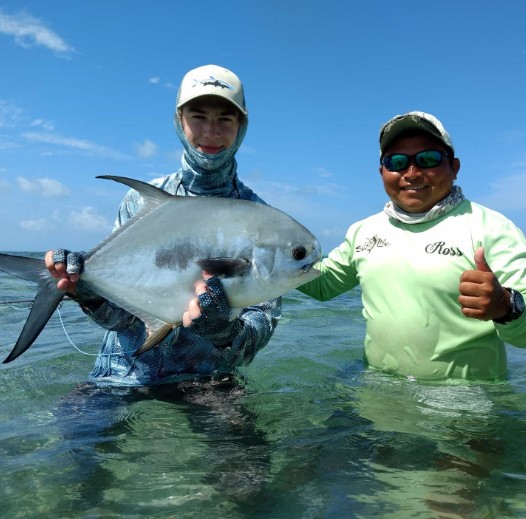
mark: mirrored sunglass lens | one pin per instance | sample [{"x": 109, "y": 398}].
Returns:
[
  {"x": 429, "y": 158},
  {"x": 396, "y": 162}
]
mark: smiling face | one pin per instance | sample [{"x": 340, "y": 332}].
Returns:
[
  {"x": 417, "y": 189},
  {"x": 210, "y": 123}
]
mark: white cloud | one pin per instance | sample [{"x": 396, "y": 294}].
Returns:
[
  {"x": 78, "y": 144},
  {"x": 4, "y": 186},
  {"x": 45, "y": 125},
  {"x": 9, "y": 114},
  {"x": 334, "y": 232},
  {"x": 7, "y": 144},
  {"x": 507, "y": 194},
  {"x": 318, "y": 189},
  {"x": 46, "y": 187},
  {"x": 40, "y": 224},
  {"x": 29, "y": 31},
  {"x": 146, "y": 149},
  {"x": 156, "y": 80},
  {"x": 247, "y": 150},
  {"x": 323, "y": 173},
  {"x": 88, "y": 220}
]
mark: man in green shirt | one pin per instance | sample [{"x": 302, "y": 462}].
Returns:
[{"x": 443, "y": 279}]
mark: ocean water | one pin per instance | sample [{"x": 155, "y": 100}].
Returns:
[{"x": 308, "y": 432}]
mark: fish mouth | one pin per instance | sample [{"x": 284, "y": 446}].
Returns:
[{"x": 309, "y": 266}]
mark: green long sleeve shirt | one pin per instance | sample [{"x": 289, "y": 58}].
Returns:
[{"x": 410, "y": 275}]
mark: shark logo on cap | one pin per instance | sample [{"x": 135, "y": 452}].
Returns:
[{"x": 212, "y": 81}]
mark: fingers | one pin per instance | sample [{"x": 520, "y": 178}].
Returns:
[
  {"x": 217, "y": 297},
  {"x": 65, "y": 266},
  {"x": 475, "y": 297},
  {"x": 193, "y": 312},
  {"x": 194, "y": 309},
  {"x": 57, "y": 270},
  {"x": 474, "y": 307},
  {"x": 209, "y": 311},
  {"x": 489, "y": 305},
  {"x": 480, "y": 261},
  {"x": 481, "y": 296},
  {"x": 74, "y": 265}
]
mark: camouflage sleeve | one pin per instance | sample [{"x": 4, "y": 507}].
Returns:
[
  {"x": 259, "y": 324},
  {"x": 248, "y": 334}
]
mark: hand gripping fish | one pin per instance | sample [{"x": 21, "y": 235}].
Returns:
[{"x": 149, "y": 265}]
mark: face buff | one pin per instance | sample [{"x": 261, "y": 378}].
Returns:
[
  {"x": 444, "y": 206},
  {"x": 209, "y": 174}
]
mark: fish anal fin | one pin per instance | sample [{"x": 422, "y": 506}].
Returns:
[
  {"x": 225, "y": 267},
  {"x": 155, "y": 338}
]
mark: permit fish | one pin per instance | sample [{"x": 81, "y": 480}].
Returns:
[{"x": 149, "y": 265}]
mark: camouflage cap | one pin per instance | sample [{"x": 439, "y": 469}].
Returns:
[{"x": 413, "y": 121}]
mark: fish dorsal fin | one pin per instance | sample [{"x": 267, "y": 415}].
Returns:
[
  {"x": 225, "y": 267},
  {"x": 151, "y": 195}
]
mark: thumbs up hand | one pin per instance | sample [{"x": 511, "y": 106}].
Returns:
[{"x": 481, "y": 295}]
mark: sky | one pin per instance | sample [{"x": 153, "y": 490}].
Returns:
[{"x": 88, "y": 89}]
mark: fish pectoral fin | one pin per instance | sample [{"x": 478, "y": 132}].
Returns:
[
  {"x": 225, "y": 267},
  {"x": 157, "y": 336}
]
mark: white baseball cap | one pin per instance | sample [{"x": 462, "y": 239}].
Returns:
[
  {"x": 212, "y": 80},
  {"x": 413, "y": 121}
]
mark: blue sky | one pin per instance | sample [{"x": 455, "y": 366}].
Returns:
[{"x": 88, "y": 88}]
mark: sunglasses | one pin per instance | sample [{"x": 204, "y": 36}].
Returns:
[{"x": 423, "y": 159}]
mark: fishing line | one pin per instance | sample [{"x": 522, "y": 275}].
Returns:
[
  {"x": 68, "y": 337},
  {"x": 29, "y": 302},
  {"x": 16, "y": 302},
  {"x": 9, "y": 304},
  {"x": 85, "y": 352}
]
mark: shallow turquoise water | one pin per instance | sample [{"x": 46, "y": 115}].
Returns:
[{"x": 310, "y": 433}]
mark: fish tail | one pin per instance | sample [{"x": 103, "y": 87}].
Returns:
[{"x": 46, "y": 301}]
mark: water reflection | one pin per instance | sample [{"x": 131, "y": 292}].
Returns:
[
  {"x": 458, "y": 433},
  {"x": 166, "y": 446},
  {"x": 396, "y": 448},
  {"x": 312, "y": 435}
]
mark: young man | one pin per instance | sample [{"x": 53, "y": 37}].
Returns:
[
  {"x": 211, "y": 121},
  {"x": 443, "y": 279}
]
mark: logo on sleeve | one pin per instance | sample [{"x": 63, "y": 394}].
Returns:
[
  {"x": 440, "y": 247},
  {"x": 371, "y": 243}
]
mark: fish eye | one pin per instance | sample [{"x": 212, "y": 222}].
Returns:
[{"x": 299, "y": 252}]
